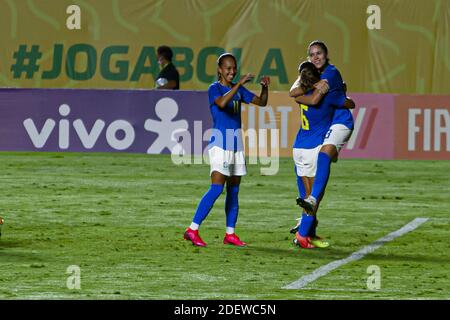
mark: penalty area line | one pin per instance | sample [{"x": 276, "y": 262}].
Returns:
[{"x": 324, "y": 270}]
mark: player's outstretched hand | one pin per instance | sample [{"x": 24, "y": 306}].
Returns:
[
  {"x": 265, "y": 81},
  {"x": 246, "y": 78}
]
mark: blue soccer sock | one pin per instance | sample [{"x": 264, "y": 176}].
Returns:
[
  {"x": 207, "y": 202},
  {"x": 305, "y": 225},
  {"x": 232, "y": 205},
  {"x": 300, "y": 186},
  {"x": 302, "y": 194},
  {"x": 303, "y": 216},
  {"x": 312, "y": 231},
  {"x": 322, "y": 175}
]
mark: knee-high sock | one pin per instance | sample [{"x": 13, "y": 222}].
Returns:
[
  {"x": 300, "y": 187},
  {"x": 320, "y": 182},
  {"x": 312, "y": 231},
  {"x": 207, "y": 202},
  {"x": 322, "y": 175},
  {"x": 306, "y": 225},
  {"x": 308, "y": 228},
  {"x": 232, "y": 205}
]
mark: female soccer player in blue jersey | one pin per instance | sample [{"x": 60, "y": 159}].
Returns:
[
  {"x": 316, "y": 119},
  {"x": 226, "y": 152},
  {"x": 337, "y": 135}
]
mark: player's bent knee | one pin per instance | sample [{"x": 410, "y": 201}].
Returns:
[
  {"x": 330, "y": 149},
  {"x": 218, "y": 178}
]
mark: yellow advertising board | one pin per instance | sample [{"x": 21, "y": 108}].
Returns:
[{"x": 391, "y": 47}]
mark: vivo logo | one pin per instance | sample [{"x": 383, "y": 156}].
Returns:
[
  {"x": 119, "y": 134},
  {"x": 88, "y": 137}
]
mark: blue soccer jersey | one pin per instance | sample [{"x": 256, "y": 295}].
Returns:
[
  {"x": 227, "y": 121},
  {"x": 341, "y": 115},
  {"x": 316, "y": 120}
]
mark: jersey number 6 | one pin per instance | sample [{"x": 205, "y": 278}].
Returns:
[{"x": 305, "y": 122}]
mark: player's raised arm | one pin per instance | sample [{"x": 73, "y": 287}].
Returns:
[
  {"x": 222, "y": 101},
  {"x": 261, "y": 100}
]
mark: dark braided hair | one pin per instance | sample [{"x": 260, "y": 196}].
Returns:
[{"x": 309, "y": 75}]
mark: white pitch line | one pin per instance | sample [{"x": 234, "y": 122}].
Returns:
[{"x": 320, "y": 272}]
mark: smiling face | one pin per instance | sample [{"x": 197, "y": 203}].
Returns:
[
  {"x": 227, "y": 70},
  {"x": 317, "y": 56}
]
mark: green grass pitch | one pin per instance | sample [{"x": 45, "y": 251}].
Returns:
[{"x": 121, "y": 217}]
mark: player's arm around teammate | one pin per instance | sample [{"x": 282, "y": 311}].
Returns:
[
  {"x": 317, "y": 95},
  {"x": 340, "y": 129}
]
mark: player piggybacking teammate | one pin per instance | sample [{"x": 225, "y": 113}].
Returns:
[{"x": 326, "y": 127}]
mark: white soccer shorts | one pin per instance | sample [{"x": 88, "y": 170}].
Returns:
[
  {"x": 306, "y": 161},
  {"x": 338, "y": 135},
  {"x": 228, "y": 163}
]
